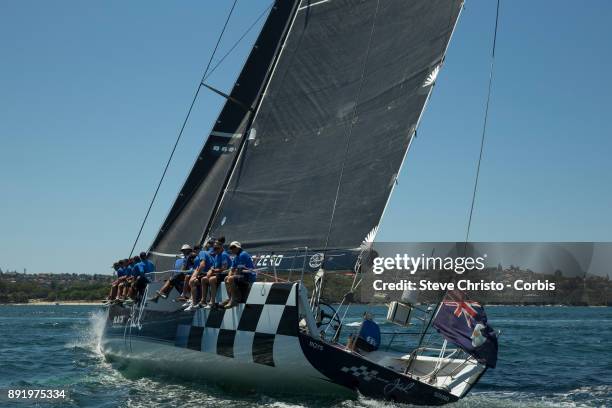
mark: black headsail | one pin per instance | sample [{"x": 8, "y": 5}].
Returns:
[
  {"x": 194, "y": 206},
  {"x": 335, "y": 123}
]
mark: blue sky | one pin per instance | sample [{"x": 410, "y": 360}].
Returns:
[{"x": 93, "y": 95}]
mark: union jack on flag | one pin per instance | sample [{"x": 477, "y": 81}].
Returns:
[{"x": 464, "y": 308}]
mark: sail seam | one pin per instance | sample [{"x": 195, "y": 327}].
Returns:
[{"x": 348, "y": 139}]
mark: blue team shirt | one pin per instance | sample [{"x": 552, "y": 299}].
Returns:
[
  {"x": 178, "y": 265},
  {"x": 148, "y": 266},
  {"x": 242, "y": 263},
  {"x": 204, "y": 256},
  {"x": 121, "y": 272},
  {"x": 221, "y": 259},
  {"x": 143, "y": 267},
  {"x": 129, "y": 270},
  {"x": 137, "y": 270}
]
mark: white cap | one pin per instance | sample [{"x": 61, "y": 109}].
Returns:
[
  {"x": 235, "y": 244},
  {"x": 186, "y": 246}
]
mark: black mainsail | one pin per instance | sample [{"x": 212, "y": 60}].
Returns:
[
  {"x": 335, "y": 122},
  {"x": 196, "y": 201}
]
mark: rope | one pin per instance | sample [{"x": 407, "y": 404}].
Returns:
[
  {"x": 276, "y": 278},
  {"x": 261, "y": 15},
  {"x": 484, "y": 127},
  {"x": 178, "y": 138}
]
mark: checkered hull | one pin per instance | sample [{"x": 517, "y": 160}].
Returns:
[{"x": 255, "y": 344}]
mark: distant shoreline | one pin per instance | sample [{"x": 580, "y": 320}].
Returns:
[{"x": 58, "y": 303}]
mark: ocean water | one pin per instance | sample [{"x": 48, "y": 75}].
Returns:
[{"x": 549, "y": 357}]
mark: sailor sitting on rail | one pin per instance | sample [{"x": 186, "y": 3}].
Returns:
[
  {"x": 189, "y": 265},
  {"x": 120, "y": 271},
  {"x": 221, "y": 263},
  {"x": 241, "y": 274},
  {"x": 125, "y": 285},
  {"x": 202, "y": 263},
  {"x": 368, "y": 338},
  {"x": 200, "y": 254},
  {"x": 132, "y": 275},
  {"x": 140, "y": 280},
  {"x": 144, "y": 264},
  {"x": 178, "y": 275}
]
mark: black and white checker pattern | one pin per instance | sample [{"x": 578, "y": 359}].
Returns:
[
  {"x": 361, "y": 371},
  {"x": 249, "y": 331}
]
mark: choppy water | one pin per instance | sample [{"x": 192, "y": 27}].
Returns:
[{"x": 549, "y": 357}]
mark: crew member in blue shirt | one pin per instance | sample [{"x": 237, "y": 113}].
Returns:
[
  {"x": 140, "y": 281},
  {"x": 203, "y": 263},
  {"x": 241, "y": 274},
  {"x": 178, "y": 275},
  {"x": 148, "y": 266},
  {"x": 124, "y": 287},
  {"x": 125, "y": 274},
  {"x": 215, "y": 275},
  {"x": 117, "y": 266}
]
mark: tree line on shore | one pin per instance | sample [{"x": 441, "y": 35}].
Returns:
[{"x": 24, "y": 290}]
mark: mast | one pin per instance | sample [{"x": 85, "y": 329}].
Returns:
[
  {"x": 196, "y": 201},
  {"x": 253, "y": 111}
]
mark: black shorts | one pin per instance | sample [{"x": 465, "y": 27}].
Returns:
[
  {"x": 141, "y": 283},
  {"x": 243, "y": 284},
  {"x": 241, "y": 279},
  {"x": 221, "y": 277},
  {"x": 178, "y": 280}
]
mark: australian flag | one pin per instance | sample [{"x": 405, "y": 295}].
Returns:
[{"x": 464, "y": 323}]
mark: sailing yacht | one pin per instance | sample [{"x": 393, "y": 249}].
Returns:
[{"x": 299, "y": 167}]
